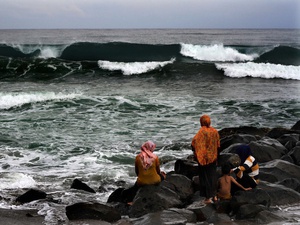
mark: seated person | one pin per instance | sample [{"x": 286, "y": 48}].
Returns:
[
  {"x": 247, "y": 173},
  {"x": 147, "y": 166},
  {"x": 224, "y": 184},
  {"x": 147, "y": 169}
]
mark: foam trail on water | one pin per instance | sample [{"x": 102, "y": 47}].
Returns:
[
  {"x": 132, "y": 68},
  {"x": 262, "y": 70},
  {"x": 8, "y": 100},
  {"x": 214, "y": 53}
]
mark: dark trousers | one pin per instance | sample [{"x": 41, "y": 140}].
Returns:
[
  {"x": 246, "y": 181},
  {"x": 208, "y": 180}
]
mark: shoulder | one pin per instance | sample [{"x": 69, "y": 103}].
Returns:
[{"x": 138, "y": 157}]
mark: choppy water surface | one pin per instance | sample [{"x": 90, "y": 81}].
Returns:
[{"x": 80, "y": 104}]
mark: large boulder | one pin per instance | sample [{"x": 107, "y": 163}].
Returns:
[
  {"x": 291, "y": 183},
  {"x": 292, "y": 138},
  {"x": 243, "y": 130},
  {"x": 203, "y": 211},
  {"x": 296, "y": 126},
  {"x": 256, "y": 196},
  {"x": 79, "y": 185},
  {"x": 31, "y": 195},
  {"x": 95, "y": 211},
  {"x": 186, "y": 167},
  {"x": 295, "y": 154},
  {"x": 280, "y": 195},
  {"x": 180, "y": 184},
  {"x": 279, "y": 170},
  {"x": 169, "y": 216},
  {"x": 249, "y": 211},
  {"x": 116, "y": 196},
  {"x": 267, "y": 149},
  {"x": 153, "y": 198},
  {"x": 278, "y": 132},
  {"x": 236, "y": 138}
]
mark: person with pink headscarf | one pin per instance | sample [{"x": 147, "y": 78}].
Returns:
[{"x": 147, "y": 169}]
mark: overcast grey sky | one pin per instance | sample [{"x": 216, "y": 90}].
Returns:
[{"x": 18, "y": 14}]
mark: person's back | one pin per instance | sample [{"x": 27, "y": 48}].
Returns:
[
  {"x": 224, "y": 183},
  {"x": 149, "y": 176}
]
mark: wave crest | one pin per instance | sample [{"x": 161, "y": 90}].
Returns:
[
  {"x": 261, "y": 70},
  {"x": 214, "y": 53},
  {"x": 132, "y": 68}
]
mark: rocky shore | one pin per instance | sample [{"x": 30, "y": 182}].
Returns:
[{"x": 177, "y": 201}]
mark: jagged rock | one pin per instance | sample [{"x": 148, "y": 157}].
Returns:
[
  {"x": 295, "y": 154},
  {"x": 267, "y": 149},
  {"x": 287, "y": 158},
  {"x": 279, "y": 194},
  {"x": 291, "y": 183},
  {"x": 186, "y": 167},
  {"x": 267, "y": 217},
  {"x": 31, "y": 195},
  {"x": 243, "y": 130},
  {"x": 296, "y": 126},
  {"x": 179, "y": 184},
  {"x": 170, "y": 216},
  {"x": 236, "y": 138},
  {"x": 278, "y": 132},
  {"x": 248, "y": 211},
  {"x": 116, "y": 196},
  {"x": 256, "y": 196},
  {"x": 95, "y": 211},
  {"x": 280, "y": 169},
  {"x": 293, "y": 138},
  {"x": 79, "y": 185},
  {"x": 153, "y": 198},
  {"x": 204, "y": 212}
]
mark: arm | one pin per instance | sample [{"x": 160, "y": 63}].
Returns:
[
  {"x": 157, "y": 165},
  {"x": 136, "y": 166},
  {"x": 239, "y": 185}
]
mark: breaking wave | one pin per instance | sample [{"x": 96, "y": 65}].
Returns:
[{"x": 261, "y": 70}]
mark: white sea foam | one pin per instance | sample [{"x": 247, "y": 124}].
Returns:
[
  {"x": 16, "y": 180},
  {"x": 8, "y": 100},
  {"x": 45, "y": 51},
  {"x": 49, "y": 52},
  {"x": 262, "y": 70},
  {"x": 215, "y": 53},
  {"x": 131, "y": 68}
]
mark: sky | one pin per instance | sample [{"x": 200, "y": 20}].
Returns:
[{"x": 124, "y": 14}]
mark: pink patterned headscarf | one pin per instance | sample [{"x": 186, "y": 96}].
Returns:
[{"x": 146, "y": 155}]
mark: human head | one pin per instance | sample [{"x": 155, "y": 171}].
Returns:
[
  {"x": 148, "y": 145},
  {"x": 226, "y": 168},
  {"x": 205, "y": 121},
  {"x": 243, "y": 151}
]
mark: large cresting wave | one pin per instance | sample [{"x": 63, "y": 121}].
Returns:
[{"x": 48, "y": 62}]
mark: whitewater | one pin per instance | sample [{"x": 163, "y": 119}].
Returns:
[{"x": 79, "y": 103}]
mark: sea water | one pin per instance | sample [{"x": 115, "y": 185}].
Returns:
[{"x": 80, "y": 103}]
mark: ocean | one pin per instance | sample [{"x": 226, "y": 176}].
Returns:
[{"x": 80, "y": 103}]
